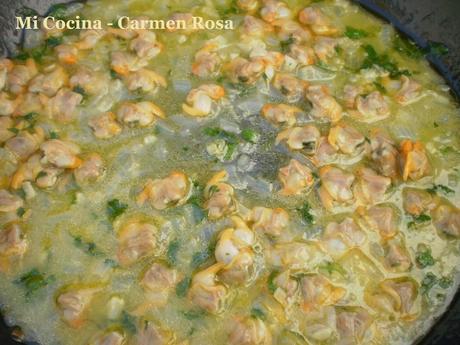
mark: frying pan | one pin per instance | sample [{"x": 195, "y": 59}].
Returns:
[{"x": 424, "y": 21}]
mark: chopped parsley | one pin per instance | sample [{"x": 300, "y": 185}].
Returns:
[
  {"x": 89, "y": 247},
  {"x": 441, "y": 188},
  {"x": 437, "y": 48},
  {"x": 30, "y": 117},
  {"x": 113, "y": 74},
  {"x": 286, "y": 44},
  {"x": 42, "y": 174},
  {"x": 330, "y": 267},
  {"x": 53, "y": 41},
  {"x": 249, "y": 135},
  {"x": 354, "y": 33},
  {"x": 230, "y": 10},
  {"x": 430, "y": 280},
  {"x": 231, "y": 139},
  {"x": 270, "y": 282},
  {"x": 22, "y": 56},
  {"x": 380, "y": 88},
  {"x": 115, "y": 208},
  {"x": 305, "y": 213},
  {"x": 199, "y": 258},
  {"x": 197, "y": 200},
  {"x": 193, "y": 314},
  {"x": 13, "y": 130},
  {"x": 111, "y": 263},
  {"x": 447, "y": 150},
  {"x": 257, "y": 313},
  {"x": 58, "y": 11},
  {"x": 173, "y": 250},
  {"x": 20, "y": 211},
  {"x": 183, "y": 286},
  {"x": 417, "y": 220},
  {"x": 424, "y": 258},
  {"x": 54, "y": 135},
  {"x": 382, "y": 61},
  {"x": 33, "y": 280},
  {"x": 129, "y": 322},
  {"x": 80, "y": 90},
  {"x": 445, "y": 282},
  {"x": 212, "y": 131},
  {"x": 231, "y": 147},
  {"x": 407, "y": 48}
]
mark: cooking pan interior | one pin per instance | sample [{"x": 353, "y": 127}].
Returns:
[{"x": 424, "y": 21}]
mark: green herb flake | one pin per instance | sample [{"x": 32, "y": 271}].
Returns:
[
  {"x": 383, "y": 61},
  {"x": 447, "y": 150},
  {"x": 249, "y": 135},
  {"x": 197, "y": 197},
  {"x": 231, "y": 147},
  {"x": 213, "y": 189},
  {"x": 354, "y": 33},
  {"x": 380, "y": 88},
  {"x": 418, "y": 220},
  {"x": 199, "y": 258},
  {"x": 21, "y": 193},
  {"x": 42, "y": 174},
  {"x": 407, "y": 48},
  {"x": 23, "y": 56},
  {"x": 330, "y": 267},
  {"x": 20, "y": 212},
  {"x": 13, "y": 130},
  {"x": 305, "y": 213},
  {"x": 183, "y": 286},
  {"x": 445, "y": 282},
  {"x": 230, "y": 10},
  {"x": 286, "y": 45},
  {"x": 128, "y": 322},
  {"x": 54, "y": 135},
  {"x": 30, "y": 117},
  {"x": 113, "y": 74},
  {"x": 193, "y": 314},
  {"x": 437, "y": 48},
  {"x": 80, "y": 90},
  {"x": 424, "y": 258},
  {"x": 58, "y": 11},
  {"x": 115, "y": 208},
  {"x": 271, "y": 281},
  {"x": 173, "y": 250},
  {"x": 53, "y": 41},
  {"x": 38, "y": 53},
  {"x": 111, "y": 263},
  {"x": 230, "y": 139},
  {"x": 33, "y": 280},
  {"x": 428, "y": 282},
  {"x": 441, "y": 188},
  {"x": 212, "y": 131},
  {"x": 257, "y": 313},
  {"x": 89, "y": 247},
  {"x": 197, "y": 200}
]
